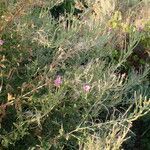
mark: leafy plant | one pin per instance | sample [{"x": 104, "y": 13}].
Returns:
[{"x": 64, "y": 84}]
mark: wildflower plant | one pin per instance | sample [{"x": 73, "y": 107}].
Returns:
[{"x": 61, "y": 86}]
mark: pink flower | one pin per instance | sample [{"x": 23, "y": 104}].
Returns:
[
  {"x": 86, "y": 88},
  {"x": 1, "y": 42},
  {"x": 58, "y": 81}
]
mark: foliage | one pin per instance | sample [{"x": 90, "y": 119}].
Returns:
[{"x": 67, "y": 79}]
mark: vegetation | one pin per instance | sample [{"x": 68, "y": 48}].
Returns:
[{"x": 74, "y": 75}]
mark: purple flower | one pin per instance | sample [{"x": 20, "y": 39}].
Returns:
[
  {"x": 1, "y": 42},
  {"x": 58, "y": 81},
  {"x": 86, "y": 88}
]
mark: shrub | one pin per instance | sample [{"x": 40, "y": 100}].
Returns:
[{"x": 64, "y": 83}]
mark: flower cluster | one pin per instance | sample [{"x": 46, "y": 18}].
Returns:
[{"x": 58, "y": 81}]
